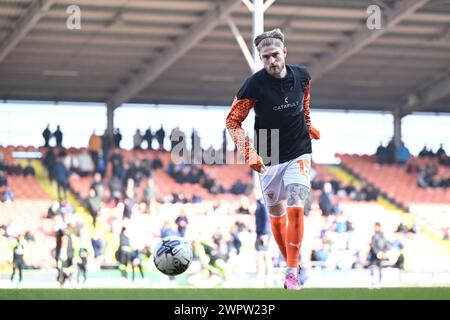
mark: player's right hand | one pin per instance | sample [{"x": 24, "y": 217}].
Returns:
[{"x": 256, "y": 163}]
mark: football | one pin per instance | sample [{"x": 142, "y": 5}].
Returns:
[{"x": 172, "y": 255}]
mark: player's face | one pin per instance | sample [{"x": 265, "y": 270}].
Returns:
[{"x": 273, "y": 58}]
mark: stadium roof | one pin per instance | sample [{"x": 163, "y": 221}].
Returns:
[{"x": 183, "y": 51}]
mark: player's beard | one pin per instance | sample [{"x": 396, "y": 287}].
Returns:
[{"x": 276, "y": 70}]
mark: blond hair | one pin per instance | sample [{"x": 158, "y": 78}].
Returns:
[{"x": 272, "y": 37}]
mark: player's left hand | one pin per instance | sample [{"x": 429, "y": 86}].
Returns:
[{"x": 314, "y": 133}]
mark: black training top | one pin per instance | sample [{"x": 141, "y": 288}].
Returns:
[{"x": 281, "y": 104}]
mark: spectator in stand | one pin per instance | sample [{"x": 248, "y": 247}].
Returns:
[
  {"x": 148, "y": 137},
  {"x": 47, "y": 134},
  {"x": 118, "y": 169},
  {"x": 239, "y": 188},
  {"x": 85, "y": 164},
  {"x": 129, "y": 204},
  {"x": 97, "y": 185},
  {"x": 326, "y": 202},
  {"x": 150, "y": 191},
  {"x": 182, "y": 221},
  {"x": 425, "y": 152},
  {"x": 101, "y": 164},
  {"x": 29, "y": 170},
  {"x": 95, "y": 147},
  {"x": 115, "y": 188},
  {"x": 58, "y": 136},
  {"x": 93, "y": 204},
  {"x": 371, "y": 193},
  {"x": 402, "y": 154},
  {"x": 442, "y": 156},
  {"x": 62, "y": 176},
  {"x": 137, "y": 140},
  {"x": 166, "y": 230},
  {"x": 412, "y": 165},
  {"x": 381, "y": 154},
  {"x": 3, "y": 182},
  {"x": 390, "y": 152},
  {"x": 49, "y": 163},
  {"x": 53, "y": 210},
  {"x": 441, "y": 151},
  {"x": 427, "y": 176},
  {"x": 107, "y": 144},
  {"x": 117, "y": 138},
  {"x": 160, "y": 135},
  {"x": 157, "y": 163}
]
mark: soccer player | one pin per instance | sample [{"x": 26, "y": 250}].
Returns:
[{"x": 280, "y": 96}]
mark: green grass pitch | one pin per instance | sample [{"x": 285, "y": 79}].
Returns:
[{"x": 404, "y": 293}]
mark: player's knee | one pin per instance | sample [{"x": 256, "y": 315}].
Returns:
[
  {"x": 297, "y": 194},
  {"x": 276, "y": 210}
]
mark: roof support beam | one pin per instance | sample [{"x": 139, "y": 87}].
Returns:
[
  {"x": 25, "y": 24},
  {"x": 363, "y": 37},
  {"x": 438, "y": 89},
  {"x": 241, "y": 42},
  {"x": 155, "y": 68}
]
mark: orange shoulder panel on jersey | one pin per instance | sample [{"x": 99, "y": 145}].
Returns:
[
  {"x": 306, "y": 101},
  {"x": 239, "y": 111}
]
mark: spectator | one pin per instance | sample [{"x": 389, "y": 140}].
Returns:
[
  {"x": 93, "y": 204},
  {"x": 62, "y": 176},
  {"x": 137, "y": 140},
  {"x": 244, "y": 206},
  {"x": 148, "y": 137},
  {"x": 326, "y": 200},
  {"x": 47, "y": 134},
  {"x": 239, "y": 188},
  {"x": 53, "y": 210},
  {"x": 117, "y": 138},
  {"x": 95, "y": 147},
  {"x": 441, "y": 152},
  {"x": 29, "y": 170},
  {"x": 402, "y": 154},
  {"x": 58, "y": 136},
  {"x": 160, "y": 135},
  {"x": 425, "y": 152},
  {"x": 427, "y": 176},
  {"x": 97, "y": 185},
  {"x": 107, "y": 144},
  {"x": 85, "y": 164},
  {"x": 49, "y": 163},
  {"x": 390, "y": 152},
  {"x": 157, "y": 163},
  {"x": 381, "y": 154},
  {"x": 3, "y": 186},
  {"x": 118, "y": 169},
  {"x": 150, "y": 191},
  {"x": 182, "y": 221},
  {"x": 166, "y": 230}
]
